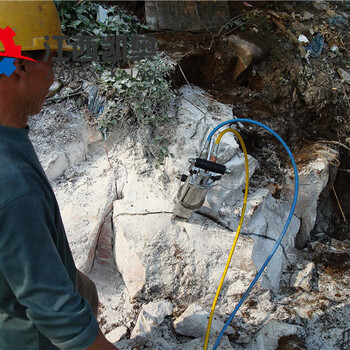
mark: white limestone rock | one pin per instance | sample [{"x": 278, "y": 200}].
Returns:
[
  {"x": 157, "y": 255},
  {"x": 152, "y": 315},
  {"x": 267, "y": 338},
  {"x": 83, "y": 217},
  {"x": 193, "y": 323},
  {"x": 266, "y": 223},
  {"x": 303, "y": 279},
  {"x": 313, "y": 178},
  {"x": 116, "y": 334},
  {"x": 76, "y": 152},
  {"x": 60, "y": 138},
  {"x": 198, "y": 115},
  {"x": 197, "y": 344},
  {"x": 55, "y": 164},
  {"x": 173, "y": 258}
]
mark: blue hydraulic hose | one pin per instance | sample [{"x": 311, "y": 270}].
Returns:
[{"x": 296, "y": 189}]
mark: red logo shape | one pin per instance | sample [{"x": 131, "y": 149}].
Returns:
[{"x": 11, "y": 50}]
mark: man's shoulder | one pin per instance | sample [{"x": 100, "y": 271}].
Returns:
[{"x": 18, "y": 178}]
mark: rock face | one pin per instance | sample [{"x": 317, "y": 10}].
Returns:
[
  {"x": 62, "y": 142},
  {"x": 60, "y": 139},
  {"x": 84, "y": 218},
  {"x": 158, "y": 255},
  {"x": 182, "y": 262},
  {"x": 117, "y": 211}
]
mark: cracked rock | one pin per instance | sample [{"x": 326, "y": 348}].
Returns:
[
  {"x": 173, "y": 258},
  {"x": 163, "y": 257}
]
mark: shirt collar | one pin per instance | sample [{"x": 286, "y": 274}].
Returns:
[{"x": 14, "y": 134}]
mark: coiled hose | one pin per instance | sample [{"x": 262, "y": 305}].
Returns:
[{"x": 295, "y": 198}]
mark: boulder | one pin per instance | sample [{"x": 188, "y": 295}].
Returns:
[{"x": 249, "y": 50}]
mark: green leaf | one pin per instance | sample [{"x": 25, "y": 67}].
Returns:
[{"x": 75, "y": 23}]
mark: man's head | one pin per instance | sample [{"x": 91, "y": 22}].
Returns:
[{"x": 24, "y": 91}]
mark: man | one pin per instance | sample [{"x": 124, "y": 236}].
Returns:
[{"x": 41, "y": 307}]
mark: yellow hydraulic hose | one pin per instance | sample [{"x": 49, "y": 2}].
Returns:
[{"x": 237, "y": 233}]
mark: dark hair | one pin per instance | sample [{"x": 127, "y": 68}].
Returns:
[{"x": 37, "y": 55}]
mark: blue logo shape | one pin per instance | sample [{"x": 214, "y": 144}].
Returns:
[{"x": 7, "y": 67}]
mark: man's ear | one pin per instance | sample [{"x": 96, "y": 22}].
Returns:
[{"x": 21, "y": 66}]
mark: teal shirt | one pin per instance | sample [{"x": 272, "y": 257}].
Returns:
[{"x": 40, "y": 308}]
